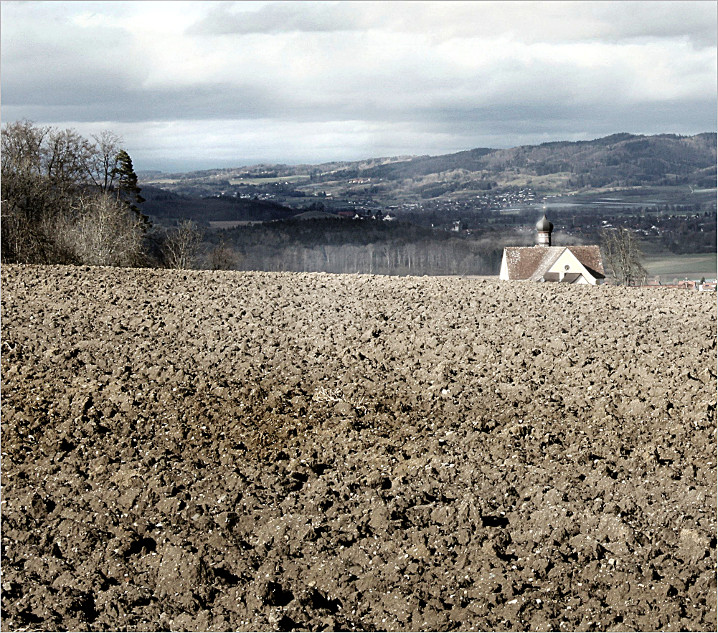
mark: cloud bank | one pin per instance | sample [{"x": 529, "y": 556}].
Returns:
[{"x": 192, "y": 85}]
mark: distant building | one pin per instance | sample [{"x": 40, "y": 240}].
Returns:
[
  {"x": 687, "y": 284},
  {"x": 546, "y": 263}
]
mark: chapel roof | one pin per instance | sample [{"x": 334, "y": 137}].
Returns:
[{"x": 533, "y": 262}]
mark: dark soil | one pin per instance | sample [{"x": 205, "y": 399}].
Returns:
[{"x": 255, "y": 451}]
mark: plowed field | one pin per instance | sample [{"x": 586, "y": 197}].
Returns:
[{"x": 255, "y": 451}]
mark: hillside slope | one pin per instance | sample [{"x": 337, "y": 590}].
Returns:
[{"x": 162, "y": 204}]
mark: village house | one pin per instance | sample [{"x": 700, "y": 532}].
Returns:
[
  {"x": 688, "y": 284},
  {"x": 546, "y": 263}
]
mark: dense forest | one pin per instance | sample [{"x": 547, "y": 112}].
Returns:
[{"x": 349, "y": 246}]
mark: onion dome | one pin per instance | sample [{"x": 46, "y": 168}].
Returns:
[{"x": 544, "y": 225}]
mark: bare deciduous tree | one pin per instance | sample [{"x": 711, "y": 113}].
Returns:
[
  {"x": 223, "y": 257},
  {"x": 623, "y": 255},
  {"x": 29, "y": 194},
  {"x": 100, "y": 231},
  {"x": 182, "y": 245},
  {"x": 103, "y": 166},
  {"x": 66, "y": 160}
]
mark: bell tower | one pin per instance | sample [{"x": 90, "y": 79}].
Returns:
[{"x": 543, "y": 228}]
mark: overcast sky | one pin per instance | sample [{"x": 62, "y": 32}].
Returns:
[{"x": 193, "y": 85}]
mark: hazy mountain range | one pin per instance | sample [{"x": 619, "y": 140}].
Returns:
[
  {"x": 619, "y": 161},
  {"x": 612, "y": 159}
]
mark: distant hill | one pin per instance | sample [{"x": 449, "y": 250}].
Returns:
[
  {"x": 470, "y": 160},
  {"x": 619, "y": 160}
]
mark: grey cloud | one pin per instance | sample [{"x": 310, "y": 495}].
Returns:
[
  {"x": 107, "y": 98},
  {"x": 436, "y": 133},
  {"x": 524, "y": 21},
  {"x": 125, "y": 103},
  {"x": 695, "y": 21},
  {"x": 281, "y": 17},
  {"x": 610, "y": 22},
  {"x": 562, "y": 121},
  {"x": 57, "y": 62}
]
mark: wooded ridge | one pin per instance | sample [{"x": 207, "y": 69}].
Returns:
[{"x": 619, "y": 160}]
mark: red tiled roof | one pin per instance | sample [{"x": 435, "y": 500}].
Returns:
[
  {"x": 590, "y": 257},
  {"x": 532, "y": 262}
]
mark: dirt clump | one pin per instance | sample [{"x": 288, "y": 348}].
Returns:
[{"x": 274, "y": 451}]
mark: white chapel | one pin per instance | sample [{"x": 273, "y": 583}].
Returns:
[{"x": 543, "y": 262}]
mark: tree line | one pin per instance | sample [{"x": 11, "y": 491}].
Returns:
[
  {"x": 350, "y": 246},
  {"x": 67, "y": 199}
]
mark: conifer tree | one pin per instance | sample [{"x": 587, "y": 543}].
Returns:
[{"x": 127, "y": 189}]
